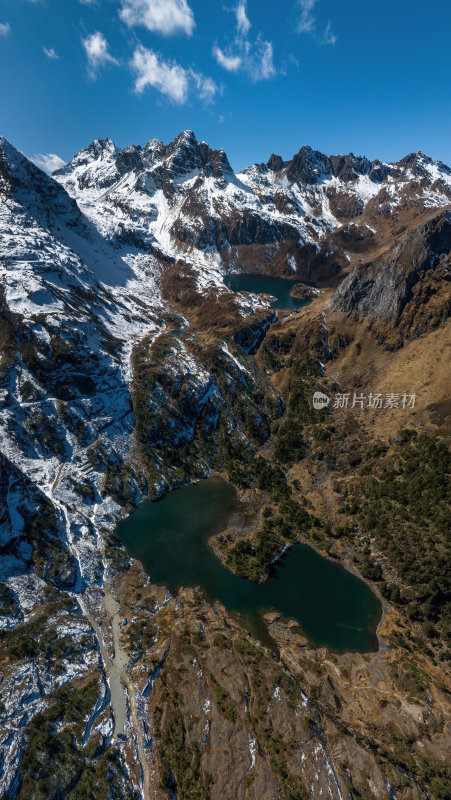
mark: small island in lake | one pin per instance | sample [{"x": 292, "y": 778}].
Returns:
[{"x": 301, "y": 291}]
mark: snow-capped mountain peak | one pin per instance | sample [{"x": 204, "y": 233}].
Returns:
[{"x": 184, "y": 199}]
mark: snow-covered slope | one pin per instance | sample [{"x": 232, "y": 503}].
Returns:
[{"x": 72, "y": 307}]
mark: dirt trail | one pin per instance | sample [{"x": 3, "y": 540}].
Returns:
[
  {"x": 117, "y": 665},
  {"x": 118, "y": 679},
  {"x": 69, "y": 466}
]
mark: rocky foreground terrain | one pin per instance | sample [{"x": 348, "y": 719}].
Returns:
[{"x": 128, "y": 369}]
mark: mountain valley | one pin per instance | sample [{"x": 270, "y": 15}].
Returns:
[{"x": 129, "y": 370}]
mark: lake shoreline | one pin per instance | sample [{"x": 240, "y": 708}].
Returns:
[
  {"x": 276, "y": 290},
  {"x": 332, "y": 606},
  {"x": 338, "y": 559}
]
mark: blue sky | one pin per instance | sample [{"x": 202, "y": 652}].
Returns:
[{"x": 253, "y": 77}]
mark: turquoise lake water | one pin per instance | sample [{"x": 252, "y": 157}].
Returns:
[
  {"x": 170, "y": 537},
  {"x": 265, "y": 284}
]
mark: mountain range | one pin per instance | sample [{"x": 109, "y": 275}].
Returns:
[{"x": 183, "y": 200}]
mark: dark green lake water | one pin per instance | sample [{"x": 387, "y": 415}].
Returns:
[
  {"x": 170, "y": 538},
  {"x": 265, "y": 284}
]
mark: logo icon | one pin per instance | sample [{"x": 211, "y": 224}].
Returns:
[{"x": 320, "y": 401}]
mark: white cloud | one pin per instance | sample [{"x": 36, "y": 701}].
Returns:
[
  {"x": 96, "y": 48},
  {"x": 169, "y": 79},
  {"x": 242, "y": 21},
  {"x": 230, "y": 63},
  {"x": 51, "y": 53},
  {"x": 307, "y": 22},
  {"x": 49, "y": 162},
  {"x": 160, "y": 16},
  {"x": 329, "y": 36},
  {"x": 205, "y": 86},
  {"x": 262, "y": 62},
  {"x": 5, "y": 28},
  {"x": 256, "y": 58},
  {"x": 172, "y": 80}
]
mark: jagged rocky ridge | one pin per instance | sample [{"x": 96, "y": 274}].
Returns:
[{"x": 183, "y": 200}]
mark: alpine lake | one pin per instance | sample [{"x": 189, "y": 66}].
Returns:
[
  {"x": 256, "y": 283},
  {"x": 170, "y": 537}
]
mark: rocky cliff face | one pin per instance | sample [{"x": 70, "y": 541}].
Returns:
[{"x": 396, "y": 289}]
